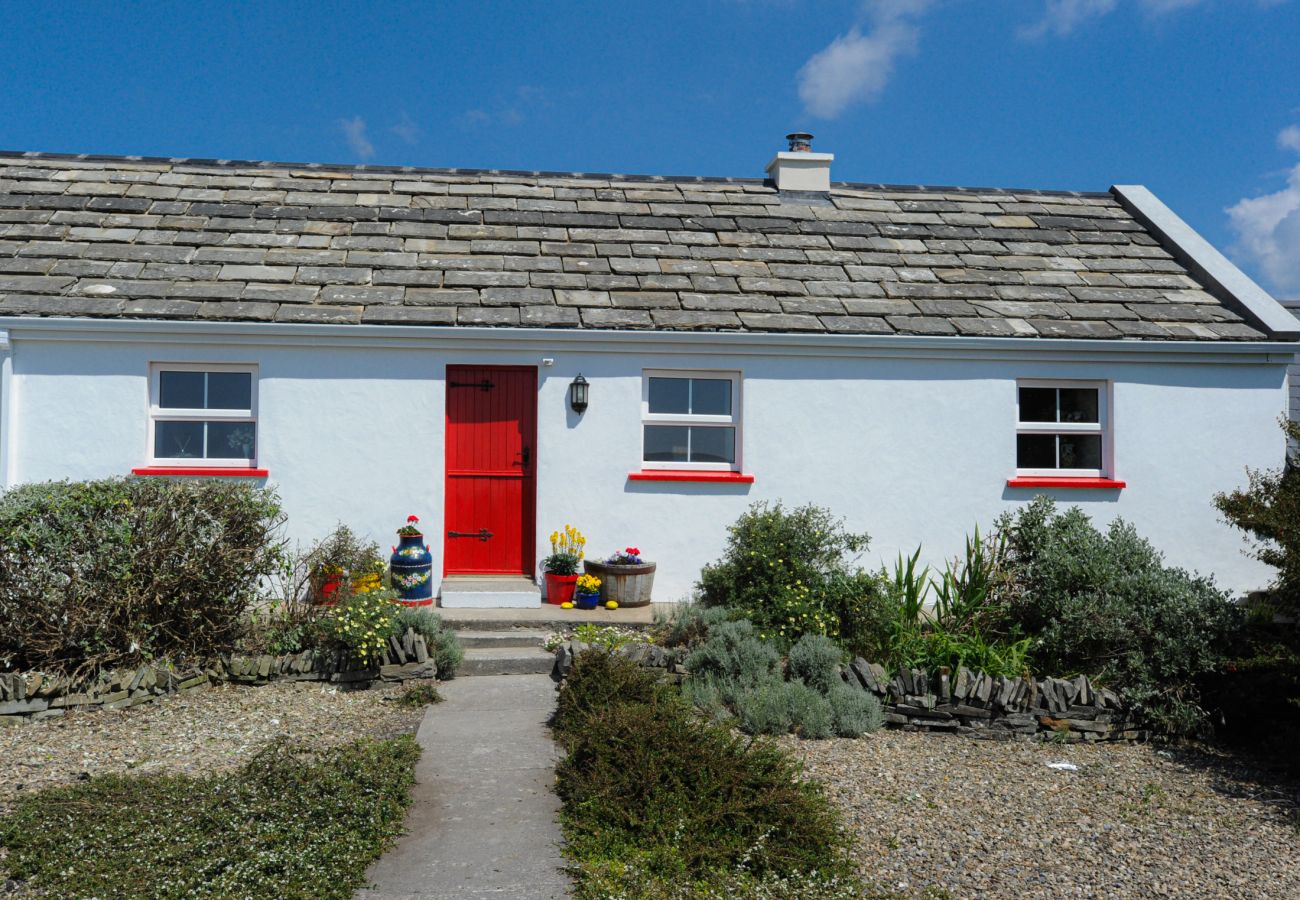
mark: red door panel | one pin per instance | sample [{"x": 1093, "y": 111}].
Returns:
[{"x": 491, "y": 457}]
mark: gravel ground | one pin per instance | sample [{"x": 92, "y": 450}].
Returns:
[
  {"x": 196, "y": 732},
  {"x": 984, "y": 819}
]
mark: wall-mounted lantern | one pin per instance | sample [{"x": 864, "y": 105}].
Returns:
[{"x": 578, "y": 395}]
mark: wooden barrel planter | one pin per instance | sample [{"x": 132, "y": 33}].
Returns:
[{"x": 626, "y": 585}]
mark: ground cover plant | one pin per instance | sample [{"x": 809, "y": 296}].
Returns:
[
  {"x": 289, "y": 824},
  {"x": 97, "y": 574},
  {"x": 660, "y": 803},
  {"x": 737, "y": 678}
]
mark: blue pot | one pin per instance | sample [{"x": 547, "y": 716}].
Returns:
[
  {"x": 586, "y": 601},
  {"x": 411, "y": 566}
]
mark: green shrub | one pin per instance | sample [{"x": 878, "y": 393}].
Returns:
[
  {"x": 815, "y": 660},
  {"x": 764, "y": 708},
  {"x": 733, "y": 653},
  {"x": 687, "y": 624},
  {"x": 360, "y": 624},
  {"x": 789, "y": 571},
  {"x": 1105, "y": 604},
  {"x": 444, "y": 646},
  {"x": 417, "y": 695},
  {"x": 98, "y": 574},
  {"x": 654, "y": 794},
  {"x": 854, "y": 712},
  {"x": 810, "y": 711},
  {"x": 290, "y": 823},
  {"x": 1269, "y": 511}
]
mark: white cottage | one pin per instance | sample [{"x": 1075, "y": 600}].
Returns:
[{"x": 377, "y": 342}]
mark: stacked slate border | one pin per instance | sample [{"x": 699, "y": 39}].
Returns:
[
  {"x": 282, "y": 242},
  {"x": 33, "y": 696},
  {"x": 965, "y": 702}
]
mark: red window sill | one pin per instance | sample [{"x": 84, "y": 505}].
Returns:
[
  {"x": 1040, "y": 481},
  {"x": 212, "y": 472},
  {"x": 686, "y": 475}
]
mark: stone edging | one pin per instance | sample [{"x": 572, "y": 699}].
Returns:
[
  {"x": 968, "y": 703},
  {"x": 33, "y": 696}
]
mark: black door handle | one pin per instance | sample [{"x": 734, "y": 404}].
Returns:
[{"x": 528, "y": 456}]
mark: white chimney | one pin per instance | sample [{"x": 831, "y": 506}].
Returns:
[{"x": 799, "y": 169}]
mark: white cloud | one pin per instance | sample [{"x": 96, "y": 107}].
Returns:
[
  {"x": 1061, "y": 17},
  {"x": 354, "y": 132},
  {"x": 1268, "y": 227},
  {"x": 406, "y": 129},
  {"x": 855, "y": 67}
]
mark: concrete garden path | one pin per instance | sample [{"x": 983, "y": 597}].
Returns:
[{"x": 483, "y": 818}]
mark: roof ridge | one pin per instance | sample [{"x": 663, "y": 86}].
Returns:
[{"x": 201, "y": 162}]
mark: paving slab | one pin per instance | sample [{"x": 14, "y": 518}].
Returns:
[{"x": 483, "y": 818}]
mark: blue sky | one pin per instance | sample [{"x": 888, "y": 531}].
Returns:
[{"x": 1198, "y": 99}]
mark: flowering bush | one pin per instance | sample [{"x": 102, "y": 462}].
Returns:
[
  {"x": 566, "y": 552},
  {"x": 791, "y": 571},
  {"x": 588, "y": 584},
  {"x": 361, "y": 623},
  {"x": 629, "y": 556},
  {"x": 411, "y": 528}
]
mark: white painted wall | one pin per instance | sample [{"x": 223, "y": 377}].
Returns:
[{"x": 913, "y": 450}]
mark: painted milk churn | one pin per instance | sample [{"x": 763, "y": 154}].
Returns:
[{"x": 411, "y": 566}]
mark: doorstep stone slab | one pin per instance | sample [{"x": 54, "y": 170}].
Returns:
[
  {"x": 489, "y": 593},
  {"x": 483, "y": 818}
]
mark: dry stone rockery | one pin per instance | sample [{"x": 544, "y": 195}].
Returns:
[
  {"x": 964, "y": 702},
  {"x": 32, "y": 696}
]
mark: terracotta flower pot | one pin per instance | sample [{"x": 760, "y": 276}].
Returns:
[{"x": 629, "y": 586}]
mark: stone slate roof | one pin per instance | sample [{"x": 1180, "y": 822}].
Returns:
[{"x": 282, "y": 242}]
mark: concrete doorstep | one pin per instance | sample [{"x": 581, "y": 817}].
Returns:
[{"x": 483, "y": 819}]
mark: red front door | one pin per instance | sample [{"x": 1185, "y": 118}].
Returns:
[{"x": 491, "y": 458}]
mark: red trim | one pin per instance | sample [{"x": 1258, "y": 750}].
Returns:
[
  {"x": 199, "y": 470},
  {"x": 1048, "y": 481},
  {"x": 690, "y": 475}
]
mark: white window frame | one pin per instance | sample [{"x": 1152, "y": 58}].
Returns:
[
  {"x": 1101, "y": 427},
  {"x": 733, "y": 420},
  {"x": 158, "y": 414}
]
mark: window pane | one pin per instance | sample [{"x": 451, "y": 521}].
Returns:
[
  {"x": 1036, "y": 451},
  {"x": 1080, "y": 451},
  {"x": 711, "y": 396},
  {"x": 1079, "y": 405},
  {"x": 666, "y": 443},
  {"x": 231, "y": 440},
  {"x": 1037, "y": 404},
  {"x": 670, "y": 395},
  {"x": 180, "y": 390},
  {"x": 178, "y": 440},
  {"x": 230, "y": 390},
  {"x": 713, "y": 445}
]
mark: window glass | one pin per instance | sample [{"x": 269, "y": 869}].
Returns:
[
  {"x": 711, "y": 396},
  {"x": 178, "y": 440},
  {"x": 231, "y": 440},
  {"x": 1037, "y": 404},
  {"x": 180, "y": 390},
  {"x": 230, "y": 390},
  {"x": 667, "y": 443},
  {"x": 1036, "y": 451},
  {"x": 1079, "y": 405},
  {"x": 1080, "y": 451},
  {"x": 716, "y": 445},
  {"x": 670, "y": 395}
]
